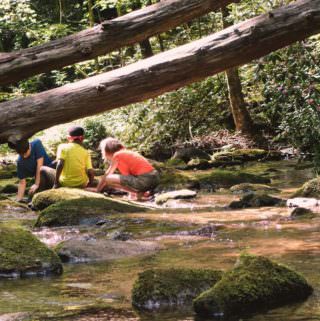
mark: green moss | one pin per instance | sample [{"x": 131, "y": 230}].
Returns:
[
  {"x": 175, "y": 162},
  {"x": 8, "y": 205},
  {"x": 46, "y": 198},
  {"x": 240, "y": 155},
  {"x": 9, "y": 189},
  {"x": 174, "y": 178},
  {"x": 248, "y": 187},
  {"x": 256, "y": 200},
  {"x": 22, "y": 253},
  {"x": 256, "y": 283},
  {"x": 309, "y": 189},
  {"x": 8, "y": 171},
  {"x": 171, "y": 287},
  {"x": 84, "y": 211},
  {"x": 225, "y": 178}
]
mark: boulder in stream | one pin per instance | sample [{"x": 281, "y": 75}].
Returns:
[
  {"x": 256, "y": 200},
  {"x": 94, "y": 250},
  {"x": 309, "y": 189},
  {"x": 301, "y": 213},
  {"x": 46, "y": 198},
  {"x": 162, "y": 288},
  {"x": 255, "y": 284},
  {"x": 249, "y": 187},
  {"x": 22, "y": 254},
  {"x": 84, "y": 211},
  {"x": 180, "y": 194}
]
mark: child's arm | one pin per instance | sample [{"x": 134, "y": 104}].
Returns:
[
  {"x": 102, "y": 182},
  {"x": 36, "y": 184},
  {"x": 21, "y": 189},
  {"x": 90, "y": 173},
  {"x": 58, "y": 173}
]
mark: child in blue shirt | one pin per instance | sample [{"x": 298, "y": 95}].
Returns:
[{"x": 32, "y": 156}]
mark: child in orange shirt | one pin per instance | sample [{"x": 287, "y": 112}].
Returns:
[{"x": 137, "y": 175}]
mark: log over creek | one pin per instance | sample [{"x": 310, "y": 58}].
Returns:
[
  {"x": 164, "y": 72},
  {"x": 104, "y": 38},
  {"x": 200, "y": 233}
]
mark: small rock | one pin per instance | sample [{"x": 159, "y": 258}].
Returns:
[
  {"x": 301, "y": 212},
  {"x": 180, "y": 194},
  {"x": 303, "y": 202}
]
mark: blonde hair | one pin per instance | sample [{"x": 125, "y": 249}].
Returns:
[{"x": 110, "y": 145}]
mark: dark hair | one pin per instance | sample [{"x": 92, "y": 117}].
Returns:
[
  {"x": 21, "y": 146},
  {"x": 76, "y": 131},
  {"x": 110, "y": 145}
]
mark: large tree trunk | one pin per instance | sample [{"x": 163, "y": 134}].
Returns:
[
  {"x": 240, "y": 114},
  {"x": 106, "y": 37},
  {"x": 164, "y": 72}
]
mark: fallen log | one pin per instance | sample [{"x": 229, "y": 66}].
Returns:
[
  {"x": 104, "y": 38},
  {"x": 167, "y": 71}
]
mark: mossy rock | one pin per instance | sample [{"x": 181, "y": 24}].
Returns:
[
  {"x": 245, "y": 155},
  {"x": 46, "y": 198},
  {"x": 199, "y": 163},
  {"x": 188, "y": 153},
  {"x": 84, "y": 211},
  {"x": 176, "y": 163},
  {"x": 247, "y": 187},
  {"x": 9, "y": 189},
  {"x": 302, "y": 213},
  {"x": 225, "y": 178},
  {"x": 255, "y": 284},
  {"x": 162, "y": 288},
  {"x": 256, "y": 200},
  {"x": 8, "y": 171},
  {"x": 172, "y": 178},
  {"x": 240, "y": 155},
  {"x": 7, "y": 205},
  {"x": 22, "y": 254},
  {"x": 309, "y": 189}
]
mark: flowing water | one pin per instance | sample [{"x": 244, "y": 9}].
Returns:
[{"x": 101, "y": 291}]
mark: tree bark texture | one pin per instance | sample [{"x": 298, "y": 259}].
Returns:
[
  {"x": 131, "y": 28},
  {"x": 240, "y": 114},
  {"x": 161, "y": 73}
]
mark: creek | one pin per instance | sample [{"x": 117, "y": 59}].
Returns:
[{"x": 101, "y": 290}]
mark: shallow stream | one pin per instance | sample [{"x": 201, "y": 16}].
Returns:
[{"x": 101, "y": 291}]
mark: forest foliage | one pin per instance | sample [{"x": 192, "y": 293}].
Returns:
[{"x": 282, "y": 90}]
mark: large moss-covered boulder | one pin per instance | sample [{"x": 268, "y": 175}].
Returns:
[
  {"x": 309, "y": 189},
  {"x": 46, "y": 198},
  {"x": 249, "y": 187},
  {"x": 256, "y": 283},
  {"x": 162, "y": 288},
  {"x": 84, "y": 211},
  {"x": 256, "y": 200},
  {"x": 22, "y": 254}
]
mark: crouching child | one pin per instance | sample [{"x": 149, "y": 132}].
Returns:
[{"x": 137, "y": 176}]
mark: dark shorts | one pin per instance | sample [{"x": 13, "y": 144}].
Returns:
[{"x": 141, "y": 183}]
